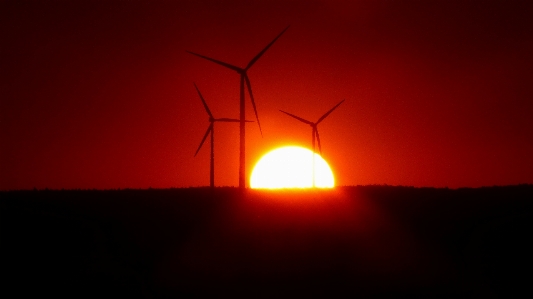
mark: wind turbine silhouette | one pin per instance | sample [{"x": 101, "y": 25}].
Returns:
[
  {"x": 244, "y": 78},
  {"x": 314, "y": 131},
  {"x": 211, "y": 129}
]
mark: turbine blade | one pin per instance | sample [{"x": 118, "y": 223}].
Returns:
[
  {"x": 205, "y": 137},
  {"x": 327, "y": 113},
  {"x": 203, "y": 101},
  {"x": 253, "y": 101},
  {"x": 264, "y": 50},
  {"x": 298, "y": 118},
  {"x": 318, "y": 141},
  {"x": 228, "y": 120},
  {"x": 238, "y": 69}
]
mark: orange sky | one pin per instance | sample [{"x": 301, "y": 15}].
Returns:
[{"x": 101, "y": 95}]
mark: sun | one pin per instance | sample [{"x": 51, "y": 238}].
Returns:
[{"x": 291, "y": 167}]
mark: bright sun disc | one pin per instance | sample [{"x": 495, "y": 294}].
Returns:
[{"x": 291, "y": 167}]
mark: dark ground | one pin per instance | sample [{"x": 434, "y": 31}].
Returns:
[{"x": 370, "y": 241}]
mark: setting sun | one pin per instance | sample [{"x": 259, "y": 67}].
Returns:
[{"x": 291, "y": 167}]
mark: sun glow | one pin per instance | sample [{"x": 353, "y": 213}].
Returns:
[{"x": 291, "y": 167}]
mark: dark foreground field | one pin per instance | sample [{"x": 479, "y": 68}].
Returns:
[{"x": 373, "y": 241}]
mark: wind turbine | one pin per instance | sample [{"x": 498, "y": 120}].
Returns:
[
  {"x": 211, "y": 129},
  {"x": 314, "y": 131},
  {"x": 244, "y": 78}
]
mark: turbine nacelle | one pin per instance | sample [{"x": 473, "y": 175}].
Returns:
[
  {"x": 212, "y": 120},
  {"x": 242, "y": 72},
  {"x": 314, "y": 124}
]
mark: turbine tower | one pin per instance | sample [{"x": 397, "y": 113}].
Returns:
[
  {"x": 314, "y": 131},
  {"x": 244, "y": 78},
  {"x": 211, "y": 129}
]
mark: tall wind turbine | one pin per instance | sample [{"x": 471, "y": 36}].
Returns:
[
  {"x": 314, "y": 131},
  {"x": 211, "y": 129},
  {"x": 244, "y": 78}
]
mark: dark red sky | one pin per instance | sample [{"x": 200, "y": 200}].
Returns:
[{"x": 100, "y": 94}]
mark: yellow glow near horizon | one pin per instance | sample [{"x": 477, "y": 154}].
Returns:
[{"x": 291, "y": 167}]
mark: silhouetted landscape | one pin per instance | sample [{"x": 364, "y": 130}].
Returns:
[{"x": 367, "y": 241}]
